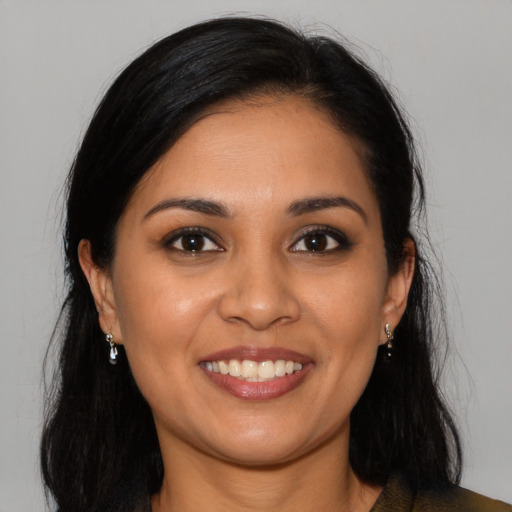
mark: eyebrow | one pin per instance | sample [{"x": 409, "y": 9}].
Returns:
[
  {"x": 196, "y": 205},
  {"x": 314, "y": 204},
  {"x": 300, "y": 207}
]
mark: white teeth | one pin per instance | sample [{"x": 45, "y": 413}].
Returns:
[
  {"x": 266, "y": 370},
  {"x": 280, "y": 368},
  {"x": 252, "y": 371},
  {"x": 223, "y": 368},
  {"x": 235, "y": 369},
  {"x": 249, "y": 369}
]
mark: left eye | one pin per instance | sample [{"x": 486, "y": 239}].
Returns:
[
  {"x": 320, "y": 241},
  {"x": 193, "y": 242}
]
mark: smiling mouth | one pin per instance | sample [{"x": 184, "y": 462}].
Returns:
[
  {"x": 252, "y": 371},
  {"x": 256, "y": 373}
]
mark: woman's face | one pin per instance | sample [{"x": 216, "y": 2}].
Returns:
[{"x": 249, "y": 284}]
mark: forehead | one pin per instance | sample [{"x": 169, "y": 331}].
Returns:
[{"x": 268, "y": 150}]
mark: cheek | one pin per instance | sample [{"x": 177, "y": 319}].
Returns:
[
  {"x": 347, "y": 312},
  {"x": 157, "y": 311},
  {"x": 348, "y": 303},
  {"x": 159, "y": 321}
]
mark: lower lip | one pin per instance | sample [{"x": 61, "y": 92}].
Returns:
[{"x": 258, "y": 390}]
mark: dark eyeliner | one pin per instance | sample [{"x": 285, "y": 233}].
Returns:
[
  {"x": 340, "y": 237},
  {"x": 171, "y": 238}
]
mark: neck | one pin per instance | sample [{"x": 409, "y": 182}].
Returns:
[{"x": 322, "y": 480}]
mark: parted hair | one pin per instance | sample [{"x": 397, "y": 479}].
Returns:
[{"x": 99, "y": 431}]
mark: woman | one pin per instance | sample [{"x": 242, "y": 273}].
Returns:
[{"x": 239, "y": 247}]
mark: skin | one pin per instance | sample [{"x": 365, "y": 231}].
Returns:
[{"x": 256, "y": 283}]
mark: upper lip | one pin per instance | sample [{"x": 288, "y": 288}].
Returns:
[{"x": 258, "y": 354}]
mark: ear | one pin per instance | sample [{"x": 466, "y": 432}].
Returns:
[
  {"x": 398, "y": 288},
  {"x": 102, "y": 291}
]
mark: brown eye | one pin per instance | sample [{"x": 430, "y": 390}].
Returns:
[
  {"x": 321, "y": 240},
  {"x": 315, "y": 242},
  {"x": 192, "y": 241}
]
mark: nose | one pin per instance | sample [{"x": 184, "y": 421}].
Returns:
[{"x": 259, "y": 294}]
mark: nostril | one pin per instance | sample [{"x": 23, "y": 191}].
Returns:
[{"x": 259, "y": 312}]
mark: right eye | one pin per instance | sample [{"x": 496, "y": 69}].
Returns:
[
  {"x": 321, "y": 240},
  {"x": 192, "y": 241}
]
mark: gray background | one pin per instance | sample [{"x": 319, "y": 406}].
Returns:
[{"x": 451, "y": 62}]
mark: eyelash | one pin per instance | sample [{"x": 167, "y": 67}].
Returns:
[
  {"x": 340, "y": 239},
  {"x": 198, "y": 232}
]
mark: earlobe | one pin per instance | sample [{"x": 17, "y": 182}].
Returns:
[
  {"x": 398, "y": 288},
  {"x": 100, "y": 284}
]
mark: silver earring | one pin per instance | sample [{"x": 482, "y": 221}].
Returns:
[
  {"x": 113, "y": 349},
  {"x": 389, "y": 345}
]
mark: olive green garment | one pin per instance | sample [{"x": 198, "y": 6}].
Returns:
[{"x": 397, "y": 497}]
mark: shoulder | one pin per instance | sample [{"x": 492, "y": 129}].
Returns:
[
  {"x": 398, "y": 496},
  {"x": 457, "y": 499}
]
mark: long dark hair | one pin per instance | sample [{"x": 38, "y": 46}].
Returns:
[{"x": 99, "y": 431}]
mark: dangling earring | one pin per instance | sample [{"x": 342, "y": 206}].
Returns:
[
  {"x": 389, "y": 345},
  {"x": 113, "y": 349}
]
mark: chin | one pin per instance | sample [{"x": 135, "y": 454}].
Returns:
[
  {"x": 266, "y": 446},
  {"x": 261, "y": 454}
]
